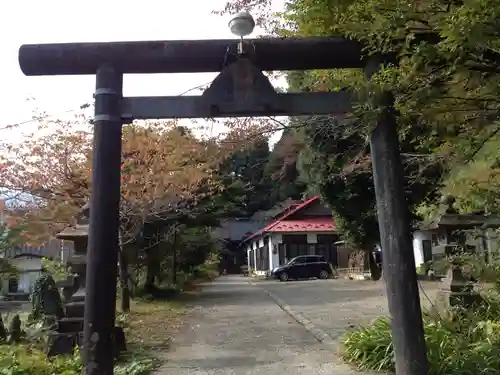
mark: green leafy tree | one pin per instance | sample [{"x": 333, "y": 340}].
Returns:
[
  {"x": 246, "y": 188},
  {"x": 8, "y": 238},
  {"x": 445, "y": 87},
  {"x": 447, "y": 78},
  {"x": 281, "y": 168}
]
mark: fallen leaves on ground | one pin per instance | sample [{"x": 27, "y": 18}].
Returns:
[{"x": 152, "y": 324}]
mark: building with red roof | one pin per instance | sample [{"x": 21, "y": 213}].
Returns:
[{"x": 303, "y": 228}]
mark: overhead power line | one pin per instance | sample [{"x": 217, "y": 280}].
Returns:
[{"x": 83, "y": 106}]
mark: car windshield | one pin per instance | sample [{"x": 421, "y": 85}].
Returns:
[{"x": 295, "y": 260}]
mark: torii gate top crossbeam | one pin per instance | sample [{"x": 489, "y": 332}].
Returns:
[{"x": 188, "y": 56}]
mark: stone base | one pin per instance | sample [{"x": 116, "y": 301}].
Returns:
[
  {"x": 79, "y": 296},
  {"x": 74, "y": 309},
  {"x": 65, "y": 343},
  {"x": 457, "y": 290},
  {"x": 446, "y": 299},
  {"x": 68, "y": 325},
  {"x": 120, "y": 340}
]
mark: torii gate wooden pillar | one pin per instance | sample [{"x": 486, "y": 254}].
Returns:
[{"x": 240, "y": 90}]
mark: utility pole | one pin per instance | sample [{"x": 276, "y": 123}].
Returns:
[
  {"x": 103, "y": 246},
  {"x": 398, "y": 260}
]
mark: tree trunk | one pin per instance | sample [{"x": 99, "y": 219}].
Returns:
[
  {"x": 149, "y": 283},
  {"x": 133, "y": 285},
  {"x": 174, "y": 267},
  {"x": 124, "y": 287}
]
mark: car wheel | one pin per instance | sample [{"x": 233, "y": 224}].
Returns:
[
  {"x": 323, "y": 275},
  {"x": 284, "y": 276}
]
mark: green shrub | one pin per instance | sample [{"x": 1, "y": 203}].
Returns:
[
  {"x": 371, "y": 347},
  {"x": 463, "y": 344},
  {"x": 184, "y": 281},
  {"x": 59, "y": 271},
  {"x": 206, "y": 271},
  {"x": 459, "y": 341},
  {"x": 26, "y": 360}
]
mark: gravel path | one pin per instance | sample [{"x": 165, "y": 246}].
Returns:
[
  {"x": 237, "y": 329},
  {"x": 335, "y": 306}
]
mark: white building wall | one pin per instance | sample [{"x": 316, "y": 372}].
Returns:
[
  {"x": 418, "y": 251},
  {"x": 274, "y": 240},
  {"x": 273, "y": 252},
  {"x": 29, "y": 272},
  {"x": 249, "y": 254},
  {"x": 254, "y": 257}
]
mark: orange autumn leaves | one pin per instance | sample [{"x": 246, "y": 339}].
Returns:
[
  {"x": 49, "y": 176},
  {"x": 46, "y": 178},
  {"x": 167, "y": 160}
]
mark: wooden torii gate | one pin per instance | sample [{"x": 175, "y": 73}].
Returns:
[{"x": 240, "y": 89}]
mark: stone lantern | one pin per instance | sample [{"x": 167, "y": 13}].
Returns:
[
  {"x": 450, "y": 229},
  {"x": 69, "y": 330}
]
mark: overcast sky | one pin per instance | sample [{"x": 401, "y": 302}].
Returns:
[{"x": 58, "y": 21}]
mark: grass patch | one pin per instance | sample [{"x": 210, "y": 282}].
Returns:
[
  {"x": 27, "y": 360},
  {"x": 149, "y": 328},
  {"x": 150, "y": 324},
  {"x": 461, "y": 344}
]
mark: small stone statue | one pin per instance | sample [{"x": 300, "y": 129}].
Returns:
[
  {"x": 3, "y": 331},
  {"x": 15, "y": 331},
  {"x": 45, "y": 298},
  {"x": 449, "y": 202}
]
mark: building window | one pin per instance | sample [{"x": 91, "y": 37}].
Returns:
[
  {"x": 263, "y": 258},
  {"x": 260, "y": 255},
  {"x": 435, "y": 241},
  {"x": 296, "y": 249},
  {"x": 252, "y": 259},
  {"x": 281, "y": 254},
  {"x": 13, "y": 285},
  {"x": 265, "y": 264},
  {"x": 311, "y": 249},
  {"x": 427, "y": 250}
]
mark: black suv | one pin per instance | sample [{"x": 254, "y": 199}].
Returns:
[{"x": 303, "y": 267}]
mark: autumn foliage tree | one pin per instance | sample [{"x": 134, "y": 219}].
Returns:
[{"x": 165, "y": 168}]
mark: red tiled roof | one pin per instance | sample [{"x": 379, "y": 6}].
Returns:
[
  {"x": 312, "y": 223},
  {"x": 316, "y": 224}
]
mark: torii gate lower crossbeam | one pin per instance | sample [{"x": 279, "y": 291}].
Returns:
[{"x": 240, "y": 90}]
